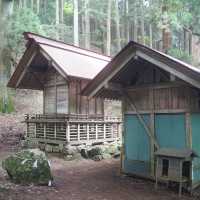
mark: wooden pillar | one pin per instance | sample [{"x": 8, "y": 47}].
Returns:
[
  {"x": 104, "y": 130},
  {"x": 96, "y": 130},
  {"x": 54, "y": 130},
  {"x": 188, "y": 130},
  {"x": 44, "y": 130},
  {"x": 152, "y": 148},
  {"x": 180, "y": 179},
  {"x": 78, "y": 132},
  {"x": 156, "y": 183},
  {"x": 35, "y": 130},
  {"x": 88, "y": 134}
]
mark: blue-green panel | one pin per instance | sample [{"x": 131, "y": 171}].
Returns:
[
  {"x": 137, "y": 146},
  {"x": 170, "y": 130},
  {"x": 195, "y": 126}
]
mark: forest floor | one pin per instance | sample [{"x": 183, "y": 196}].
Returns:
[{"x": 86, "y": 180}]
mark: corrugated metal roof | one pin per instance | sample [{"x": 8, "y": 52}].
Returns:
[
  {"x": 176, "y": 153},
  {"x": 182, "y": 70}
]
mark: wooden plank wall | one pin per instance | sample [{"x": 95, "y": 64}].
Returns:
[
  {"x": 61, "y": 96},
  {"x": 55, "y": 93},
  {"x": 80, "y": 104},
  {"x": 165, "y": 99}
]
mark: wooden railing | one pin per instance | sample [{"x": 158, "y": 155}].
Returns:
[{"x": 72, "y": 130}]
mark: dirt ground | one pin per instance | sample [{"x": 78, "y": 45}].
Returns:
[{"x": 86, "y": 180}]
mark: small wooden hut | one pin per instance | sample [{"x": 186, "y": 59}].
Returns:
[
  {"x": 161, "y": 106},
  {"x": 61, "y": 71}
]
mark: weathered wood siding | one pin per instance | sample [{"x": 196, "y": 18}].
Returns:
[
  {"x": 55, "y": 93},
  {"x": 61, "y": 96},
  {"x": 80, "y": 104},
  {"x": 164, "y": 99}
]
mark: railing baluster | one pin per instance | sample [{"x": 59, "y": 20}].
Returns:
[
  {"x": 96, "y": 131},
  {"x": 45, "y": 130},
  {"x": 88, "y": 136},
  {"x": 55, "y": 130},
  {"x": 78, "y": 132},
  {"x": 104, "y": 130},
  {"x": 35, "y": 130}
]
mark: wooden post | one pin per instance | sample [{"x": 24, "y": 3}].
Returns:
[
  {"x": 88, "y": 136},
  {"x": 35, "y": 130},
  {"x": 44, "y": 130},
  {"x": 156, "y": 183},
  {"x": 152, "y": 127},
  {"x": 68, "y": 132},
  {"x": 78, "y": 132},
  {"x": 188, "y": 130},
  {"x": 180, "y": 183},
  {"x": 55, "y": 130},
  {"x": 96, "y": 130},
  {"x": 147, "y": 129},
  {"x": 104, "y": 130}
]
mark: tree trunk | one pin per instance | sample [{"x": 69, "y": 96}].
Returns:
[
  {"x": 38, "y": 7},
  {"x": 135, "y": 25},
  {"x": 61, "y": 11},
  {"x": 57, "y": 11},
  {"x": 150, "y": 36},
  {"x": 127, "y": 21},
  {"x": 87, "y": 25},
  {"x": 117, "y": 20},
  {"x": 166, "y": 32},
  {"x": 76, "y": 28},
  {"x": 142, "y": 24},
  {"x": 108, "y": 43}
]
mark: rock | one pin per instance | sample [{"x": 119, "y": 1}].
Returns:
[
  {"x": 84, "y": 153},
  {"x": 106, "y": 156},
  {"x": 76, "y": 156},
  {"x": 48, "y": 148},
  {"x": 117, "y": 154},
  {"x": 55, "y": 149},
  {"x": 94, "y": 151},
  {"x": 70, "y": 150},
  {"x": 97, "y": 158},
  {"x": 28, "y": 166},
  {"x": 112, "y": 149}
]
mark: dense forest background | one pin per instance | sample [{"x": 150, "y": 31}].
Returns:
[{"x": 104, "y": 26}]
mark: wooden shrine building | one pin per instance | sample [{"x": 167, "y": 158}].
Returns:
[
  {"x": 161, "y": 107},
  {"x": 61, "y": 71}
]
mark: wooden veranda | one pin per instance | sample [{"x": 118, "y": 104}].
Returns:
[{"x": 73, "y": 129}]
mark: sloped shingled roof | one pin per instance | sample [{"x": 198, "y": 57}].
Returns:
[{"x": 71, "y": 60}]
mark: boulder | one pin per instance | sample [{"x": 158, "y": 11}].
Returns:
[
  {"x": 97, "y": 157},
  {"x": 28, "y": 166},
  {"x": 70, "y": 150}
]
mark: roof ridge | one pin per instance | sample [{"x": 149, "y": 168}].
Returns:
[{"x": 26, "y": 35}]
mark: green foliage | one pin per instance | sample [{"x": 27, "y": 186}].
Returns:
[
  {"x": 181, "y": 55},
  {"x": 22, "y": 20},
  {"x": 6, "y": 104},
  {"x": 68, "y": 8}
]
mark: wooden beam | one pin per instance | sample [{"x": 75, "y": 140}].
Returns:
[
  {"x": 25, "y": 68},
  {"x": 147, "y": 129},
  {"x": 169, "y": 69},
  {"x": 114, "y": 72}
]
